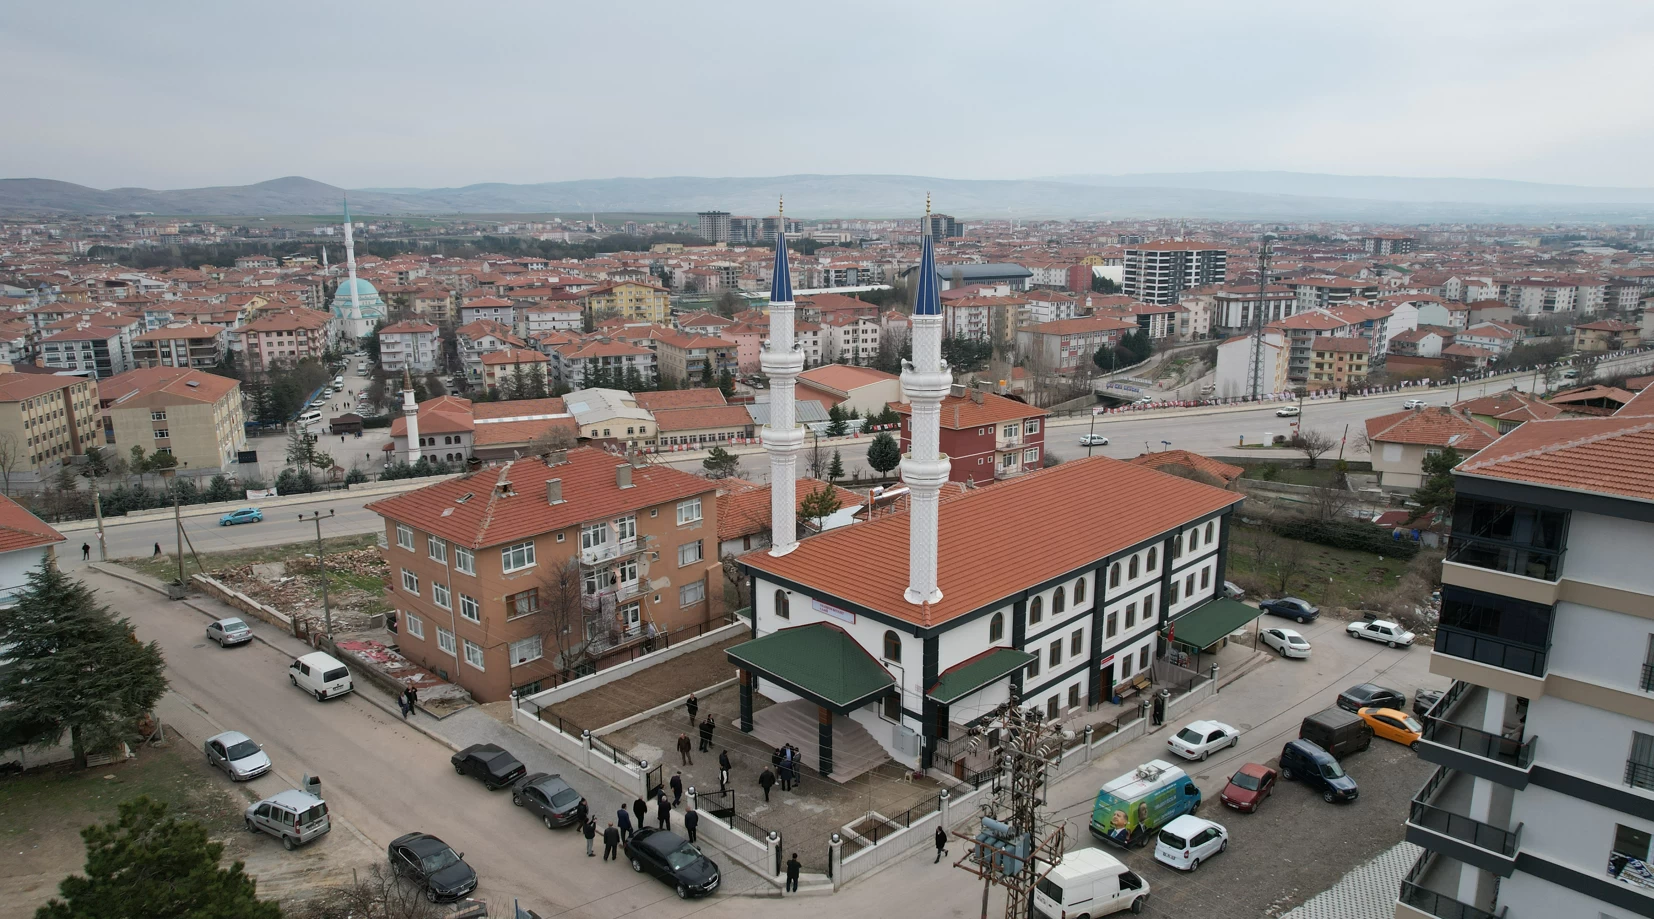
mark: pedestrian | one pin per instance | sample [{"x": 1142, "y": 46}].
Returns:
[
  {"x": 85, "y": 551},
  {"x": 581, "y": 811},
  {"x": 793, "y": 868},
  {"x": 677, "y": 788},
  {"x": 723, "y": 778},
  {"x": 766, "y": 780},
  {"x": 413, "y": 696},
  {"x": 1159, "y": 708},
  {"x": 691, "y": 819},
  {"x": 611, "y": 841},
  {"x": 402, "y": 703},
  {"x": 641, "y": 810},
  {"x": 663, "y": 812},
  {"x": 589, "y": 830},
  {"x": 624, "y": 818},
  {"x": 941, "y": 844},
  {"x": 775, "y": 760},
  {"x": 683, "y": 750},
  {"x": 723, "y": 760},
  {"x": 694, "y": 705},
  {"x": 706, "y": 734},
  {"x": 786, "y": 775},
  {"x": 157, "y": 552}
]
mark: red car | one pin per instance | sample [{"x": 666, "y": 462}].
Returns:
[{"x": 1248, "y": 787}]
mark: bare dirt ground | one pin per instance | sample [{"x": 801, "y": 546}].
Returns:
[{"x": 642, "y": 691}]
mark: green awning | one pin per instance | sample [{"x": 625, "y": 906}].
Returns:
[
  {"x": 1205, "y": 626},
  {"x": 819, "y": 662},
  {"x": 972, "y": 674}
]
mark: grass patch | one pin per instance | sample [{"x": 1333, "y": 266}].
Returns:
[
  {"x": 1322, "y": 575},
  {"x": 1322, "y": 475},
  {"x": 165, "y": 569}
]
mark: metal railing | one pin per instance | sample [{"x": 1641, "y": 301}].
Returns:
[
  {"x": 1526, "y": 561},
  {"x": 889, "y": 826},
  {"x": 1639, "y": 775},
  {"x": 1516, "y": 753},
  {"x": 1465, "y": 829},
  {"x": 1436, "y": 904},
  {"x": 1492, "y": 651},
  {"x": 1648, "y": 678}
]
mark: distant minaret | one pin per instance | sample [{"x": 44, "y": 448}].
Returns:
[
  {"x": 324, "y": 258},
  {"x": 782, "y": 360},
  {"x": 410, "y": 411},
  {"x": 350, "y": 262},
  {"x": 925, "y": 383}
]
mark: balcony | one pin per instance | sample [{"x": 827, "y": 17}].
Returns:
[
  {"x": 1430, "y": 888},
  {"x": 1437, "y": 820},
  {"x": 1492, "y": 651},
  {"x": 1002, "y": 442},
  {"x": 1008, "y": 472},
  {"x": 609, "y": 551},
  {"x": 1449, "y": 739}
]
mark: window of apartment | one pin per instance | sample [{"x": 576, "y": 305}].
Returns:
[
  {"x": 445, "y": 639},
  {"x": 626, "y": 527},
  {"x": 1495, "y": 630},
  {"x": 404, "y": 537},
  {"x": 158, "y": 416},
  {"x": 1194, "y": 540},
  {"x": 1211, "y": 526},
  {"x": 1630, "y": 845},
  {"x": 438, "y": 549},
  {"x": 1074, "y": 696},
  {"x": 1059, "y": 601},
  {"x": 1036, "y": 610},
  {"x": 1033, "y": 667},
  {"x": 892, "y": 708},
  {"x": 469, "y": 608},
  {"x": 410, "y": 582},
  {"x": 473, "y": 654},
  {"x": 689, "y": 512},
  {"x": 692, "y": 593},
  {"x": 1079, "y": 591},
  {"x": 1076, "y": 642},
  {"x": 414, "y": 625},
  {"x": 1131, "y": 574},
  {"x": 1508, "y": 538},
  {"x": 439, "y": 594},
  {"x": 1032, "y": 427},
  {"x": 1056, "y": 652},
  {"x": 1113, "y": 624},
  {"x": 465, "y": 561},
  {"x": 1114, "y": 575},
  {"x": 1030, "y": 456},
  {"x": 1173, "y": 597},
  {"x": 527, "y": 649},
  {"x": 1205, "y": 578},
  {"x": 1189, "y": 585},
  {"x": 1143, "y": 658},
  {"x": 996, "y": 627},
  {"x": 1051, "y": 709},
  {"x": 522, "y": 604},
  {"x": 1148, "y": 607},
  {"x": 781, "y": 605},
  {"x": 517, "y": 557},
  {"x": 593, "y": 535},
  {"x": 689, "y": 553},
  {"x": 892, "y": 647}
]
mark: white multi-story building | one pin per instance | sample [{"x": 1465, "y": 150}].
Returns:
[
  {"x": 1159, "y": 272},
  {"x": 1543, "y": 802},
  {"x": 851, "y": 340},
  {"x": 415, "y": 346}
]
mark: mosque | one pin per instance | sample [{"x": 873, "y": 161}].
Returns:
[{"x": 356, "y": 304}]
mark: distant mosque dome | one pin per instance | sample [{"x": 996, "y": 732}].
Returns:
[{"x": 373, "y": 307}]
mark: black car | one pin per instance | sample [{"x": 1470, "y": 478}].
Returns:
[
  {"x": 1291, "y": 608},
  {"x": 547, "y": 795},
  {"x": 673, "y": 859},
  {"x": 435, "y": 866},
  {"x": 490, "y": 763},
  {"x": 1368, "y": 695},
  {"x": 1424, "y": 700},
  {"x": 1305, "y": 762}
]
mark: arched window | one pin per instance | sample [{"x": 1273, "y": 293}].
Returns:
[
  {"x": 1133, "y": 575},
  {"x": 1194, "y": 539},
  {"x": 1059, "y": 601},
  {"x": 1036, "y": 609},
  {"x": 1177, "y": 546},
  {"x": 996, "y": 627},
  {"x": 1079, "y": 591},
  {"x": 1114, "y": 575},
  {"x": 892, "y": 647},
  {"x": 1154, "y": 556},
  {"x": 781, "y": 610},
  {"x": 1209, "y": 525}
]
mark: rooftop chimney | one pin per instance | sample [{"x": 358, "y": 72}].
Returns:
[
  {"x": 623, "y": 475},
  {"x": 976, "y": 396},
  {"x": 554, "y": 491}
]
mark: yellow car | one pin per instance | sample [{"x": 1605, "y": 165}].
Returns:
[{"x": 1392, "y": 724}]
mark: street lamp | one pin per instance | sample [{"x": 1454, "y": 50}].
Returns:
[
  {"x": 1090, "y": 438},
  {"x": 321, "y": 560}
]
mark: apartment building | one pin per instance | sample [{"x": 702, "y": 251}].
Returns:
[
  {"x": 630, "y": 300},
  {"x": 713, "y": 226},
  {"x": 1066, "y": 345},
  {"x": 95, "y": 350},
  {"x": 510, "y": 366},
  {"x": 194, "y": 416},
  {"x": 1051, "y": 306},
  {"x": 284, "y": 337},
  {"x": 549, "y": 566},
  {"x": 695, "y": 360},
  {"x": 1300, "y": 332},
  {"x": 432, "y": 304},
  {"x": 1234, "y": 310},
  {"x": 1388, "y": 244},
  {"x": 488, "y": 309},
  {"x": 1320, "y": 293},
  {"x": 850, "y": 339},
  {"x": 48, "y": 418},
  {"x": 1159, "y": 272},
  {"x": 1235, "y": 365},
  {"x": 410, "y": 345},
  {"x": 199, "y": 346},
  {"x": 985, "y": 436},
  {"x": 577, "y": 364},
  {"x": 482, "y": 337},
  {"x": 1337, "y": 362},
  {"x": 1543, "y": 800},
  {"x": 1607, "y": 335}
]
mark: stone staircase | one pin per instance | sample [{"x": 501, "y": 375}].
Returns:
[{"x": 854, "y": 749}]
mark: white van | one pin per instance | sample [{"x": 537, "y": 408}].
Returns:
[
  {"x": 321, "y": 675},
  {"x": 1089, "y": 882},
  {"x": 310, "y": 417}
]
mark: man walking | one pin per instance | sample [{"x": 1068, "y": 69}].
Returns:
[
  {"x": 642, "y": 811},
  {"x": 624, "y": 818},
  {"x": 683, "y": 750},
  {"x": 693, "y": 705},
  {"x": 786, "y": 775},
  {"x": 677, "y": 788},
  {"x": 793, "y": 868},
  {"x": 611, "y": 842},
  {"x": 402, "y": 703},
  {"x": 941, "y": 844},
  {"x": 581, "y": 811},
  {"x": 157, "y": 553},
  {"x": 85, "y": 551},
  {"x": 707, "y": 727},
  {"x": 766, "y": 780},
  {"x": 691, "y": 819},
  {"x": 723, "y": 779},
  {"x": 589, "y": 830},
  {"x": 723, "y": 760},
  {"x": 663, "y": 812}
]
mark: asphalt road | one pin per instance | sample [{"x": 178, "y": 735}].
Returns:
[{"x": 280, "y": 527}]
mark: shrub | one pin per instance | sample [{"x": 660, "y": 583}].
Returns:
[{"x": 1347, "y": 534}]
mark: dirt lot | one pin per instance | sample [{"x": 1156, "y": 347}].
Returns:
[{"x": 655, "y": 686}]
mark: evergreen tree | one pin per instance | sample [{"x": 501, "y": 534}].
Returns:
[
  {"x": 838, "y": 423},
  {"x": 720, "y": 463},
  {"x": 884, "y": 454},
  {"x": 76, "y": 669},
  {"x": 534, "y": 383},
  {"x": 634, "y": 380},
  {"x": 726, "y": 383},
  {"x": 1436, "y": 494},
  {"x": 835, "y": 469},
  {"x": 819, "y": 505}
]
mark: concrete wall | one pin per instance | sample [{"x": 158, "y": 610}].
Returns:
[
  {"x": 575, "y": 687},
  {"x": 218, "y": 590},
  {"x": 961, "y": 808}
]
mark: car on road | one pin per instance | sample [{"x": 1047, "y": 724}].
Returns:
[
  {"x": 1370, "y": 695},
  {"x": 236, "y": 754},
  {"x": 1093, "y": 440},
  {"x": 1383, "y": 630},
  {"x": 320, "y": 674},
  {"x": 1187, "y": 841},
  {"x": 1315, "y": 767},
  {"x": 673, "y": 859},
  {"x": 1413, "y": 403},
  {"x": 1288, "y": 411},
  {"x": 489, "y": 763},
  {"x": 1233, "y": 591},
  {"x": 309, "y": 418},
  {"x": 1424, "y": 700},
  {"x": 294, "y": 817},
  {"x": 433, "y": 865},
  {"x": 1393, "y": 724},
  {"x": 546, "y": 794},
  {"x": 1291, "y": 608},
  {"x": 1287, "y": 641},
  {"x": 229, "y": 631},
  {"x": 1248, "y": 787},
  {"x": 1200, "y": 738},
  {"x": 245, "y": 515}
]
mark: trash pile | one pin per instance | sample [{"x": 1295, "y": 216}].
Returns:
[{"x": 294, "y": 588}]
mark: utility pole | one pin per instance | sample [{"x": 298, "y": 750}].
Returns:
[
  {"x": 1255, "y": 384},
  {"x": 321, "y": 561},
  {"x": 1017, "y": 845}
]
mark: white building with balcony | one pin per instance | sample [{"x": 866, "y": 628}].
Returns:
[{"x": 414, "y": 346}]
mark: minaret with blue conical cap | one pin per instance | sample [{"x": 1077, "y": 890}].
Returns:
[
  {"x": 925, "y": 468},
  {"x": 782, "y": 360}
]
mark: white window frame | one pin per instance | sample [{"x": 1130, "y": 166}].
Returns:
[
  {"x": 689, "y": 512},
  {"x": 404, "y": 536},
  {"x": 517, "y": 557},
  {"x": 698, "y": 553},
  {"x": 527, "y": 650},
  {"x": 594, "y": 535},
  {"x": 1030, "y": 456},
  {"x": 437, "y": 549},
  {"x": 445, "y": 641},
  {"x": 410, "y": 582},
  {"x": 440, "y": 595},
  {"x": 414, "y": 625},
  {"x": 1031, "y": 426},
  {"x": 465, "y": 561},
  {"x": 626, "y": 527},
  {"x": 469, "y": 609},
  {"x": 698, "y": 587},
  {"x": 472, "y": 648}
]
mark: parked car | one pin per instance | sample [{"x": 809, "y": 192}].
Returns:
[
  {"x": 548, "y": 795},
  {"x": 1424, "y": 700},
  {"x": 229, "y": 631},
  {"x": 1288, "y": 411},
  {"x": 1391, "y": 724},
  {"x": 1201, "y": 738},
  {"x": 1383, "y": 630},
  {"x": 1188, "y": 840},
  {"x": 1291, "y": 608},
  {"x": 1248, "y": 787},
  {"x": 320, "y": 674},
  {"x": 1287, "y": 641},
  {"x": 1370, "y": 695},
  {"x": 245, "y": 515},
  {"x": 1233, "y": 591},
  {"x": 670, "y": 857},
  {"x": 1336, "y": 731},
  {"x": 489, "y": 763},
  {"x": 236, "y": 754},
  {"x": 1413, "y": 403},
  {"x": 1316, "y": 768},
  {"x": 292, "y": 816},
  {"x": 433, "y": 865},
  {"x": 1093, "y": 440}
]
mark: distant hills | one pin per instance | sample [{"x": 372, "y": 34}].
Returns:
[{"x": 1263, "y": 196}]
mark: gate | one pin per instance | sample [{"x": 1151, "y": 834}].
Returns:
[{"x": 653, "y": 782}]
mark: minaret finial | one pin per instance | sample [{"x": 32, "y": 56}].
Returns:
[
  {"x": 927, "y": 205},
  {"x": 781, "y": 206}
]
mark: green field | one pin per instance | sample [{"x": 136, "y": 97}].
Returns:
[{"x": 1324, "y": 575}]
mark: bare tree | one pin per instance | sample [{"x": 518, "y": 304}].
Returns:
[
  {"x": 818, "y": 458},
  {"x": 560, "y": 617},
  {"x": 553, "y": 438},
  {"x": 740, "y": 585},
  {"x": 1331, "y": 502},
  {"x": 1283, "y": 565},
  {"x": 378, "y": 895},
  {"x": 11, "y": 454},
  {"x": 1312, "y": 444}
]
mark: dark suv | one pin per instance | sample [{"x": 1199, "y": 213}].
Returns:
[
  {"x": 1315, "y": 767},
  {"x": 1370, "y": 695},
  {"x": 490, "y": 763}
]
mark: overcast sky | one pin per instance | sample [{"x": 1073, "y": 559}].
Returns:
[{"x": 368, "y": 94}]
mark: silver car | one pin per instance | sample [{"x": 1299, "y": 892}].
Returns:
[
  {"x": 294, "y": 817},
  {"x": 236, "y": 754},
  {"x": 231, "y": 631}
]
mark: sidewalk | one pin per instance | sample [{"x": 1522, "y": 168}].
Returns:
[{"x": 370, "y": 489}]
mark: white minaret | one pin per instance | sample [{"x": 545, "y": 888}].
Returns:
[
  {"x": 410, "y": 412},
  {"x": 355, "y": 316},
  {"x": 782, "y": 360},
  {"x": 925, "y": 383}
]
